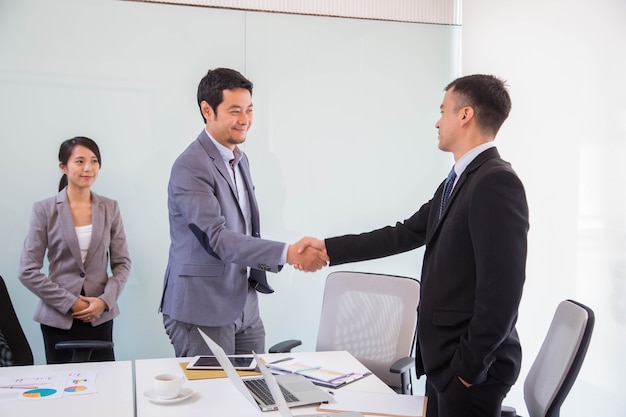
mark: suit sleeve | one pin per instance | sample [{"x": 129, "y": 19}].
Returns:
[
  {"x": 498, "y": 225},
  {"x": 390, "y": 240},
  {"x": 31, "y": 263},
  {"x": 119, "y": 259}
]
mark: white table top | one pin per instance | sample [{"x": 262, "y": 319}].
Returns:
[
  {"x": 114, "y": 396},
  {"x": 219, "y": 397}
]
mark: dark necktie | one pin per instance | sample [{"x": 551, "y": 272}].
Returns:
[
  {"x": 447, "y": 189},
  {"x": 232, "y": 163}
]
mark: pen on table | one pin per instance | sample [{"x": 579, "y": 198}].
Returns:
[
  {"x": 346, "y": 377},
  {"x": 356, "y": 377},
  {"x": 280, "y": 360},
  {"x": 313, "y": 368}
]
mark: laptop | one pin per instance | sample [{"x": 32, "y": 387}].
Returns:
[
  {"x": 296, "y": 389},
  {"x": 283, "y": 408}
]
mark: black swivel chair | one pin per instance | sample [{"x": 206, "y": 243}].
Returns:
[
  {"x": 18, "y": 344},
  {"x": 82, "y": 349},
  {"x": 20, "y": 352},
  {"x": 558, "y": 362}
]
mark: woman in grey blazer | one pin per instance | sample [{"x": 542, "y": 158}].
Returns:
[{"x": 82, "y": 232}]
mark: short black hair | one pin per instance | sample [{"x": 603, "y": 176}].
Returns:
[
  {"x": 212, "y": 86},
  {"x": 487, "y": 95}
]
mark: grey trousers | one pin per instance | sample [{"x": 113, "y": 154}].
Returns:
[{"x": 243, "y": 336}]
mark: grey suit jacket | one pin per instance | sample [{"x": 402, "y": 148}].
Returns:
[
  {"x": 206, "y": 280},
  {"x": 52, "y": 230}
]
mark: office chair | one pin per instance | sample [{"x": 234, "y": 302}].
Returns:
[
  {"x": 82, "y": 349},
  {"x": 372, "y": 316},
  {"x": 20, "y": 351},
  {"x": 558, "y": 362}
]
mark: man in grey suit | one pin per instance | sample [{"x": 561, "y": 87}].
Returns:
[{"x": 217, "y": 260}]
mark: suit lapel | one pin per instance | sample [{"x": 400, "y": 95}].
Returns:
[
  {"x": 67, "y": 225},
  {"x": 217, "y": 160},
  {"x": 98, "y": 214},
  {"x": 244, "y": 167},
  {"x": 473, "y": 166}
]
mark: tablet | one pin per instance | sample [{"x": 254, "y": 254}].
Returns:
[{"x": 210, "y": 362}]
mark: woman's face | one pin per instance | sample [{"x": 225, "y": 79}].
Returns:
[{"x": 82, "y": 167}]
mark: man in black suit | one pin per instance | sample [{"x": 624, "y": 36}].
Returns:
[{"x": 474, "y": 262}]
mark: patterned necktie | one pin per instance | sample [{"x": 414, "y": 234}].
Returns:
[{"x": 447, "y": 189}]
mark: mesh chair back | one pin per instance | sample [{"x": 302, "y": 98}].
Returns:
[
  {"x": 558, "y": 362},
  {"x": 372, "y": 316}
]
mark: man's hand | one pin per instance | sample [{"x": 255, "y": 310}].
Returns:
[
  {"x": 464, "y": 382},
  {"x": 307, "y": 254},
  {"x": 313, "y": 242}
]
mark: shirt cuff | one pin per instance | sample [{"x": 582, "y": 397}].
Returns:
[{"x": 283, "y": 257}]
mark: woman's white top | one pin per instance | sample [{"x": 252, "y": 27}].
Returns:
[{"x": 84, "y": 239}]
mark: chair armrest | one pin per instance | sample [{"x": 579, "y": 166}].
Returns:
[
  {"x": 81, "y": 349},
  {"x": 402, "y": 365},
  {"x": 285, "y": 346},
  {"x": 84, "y": 344},
  {"x": 507, "y": 411}
]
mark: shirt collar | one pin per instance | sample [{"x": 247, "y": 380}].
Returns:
[
  {"x": 227, "y": 154},
  {"x": 469, "y": 156}
]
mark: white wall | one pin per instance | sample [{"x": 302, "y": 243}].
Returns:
[
  {"x": 343, "y": 141},
  {"x": 566, "y": 138}
]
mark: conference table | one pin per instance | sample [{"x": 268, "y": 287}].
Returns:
[
  {"x": 110, "y": 394},
  {"x": 112, "y": 390},
  {"x": 218, "y": 396}
]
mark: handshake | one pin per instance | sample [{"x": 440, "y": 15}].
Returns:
[{"x": 308, "y": 254}]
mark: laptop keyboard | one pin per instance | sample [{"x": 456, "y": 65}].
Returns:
[{"x": 260, "y": 388}]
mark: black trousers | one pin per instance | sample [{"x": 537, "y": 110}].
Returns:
[
  {"x": 457, "y": 400},
  {"x": 79, "y": 331}
]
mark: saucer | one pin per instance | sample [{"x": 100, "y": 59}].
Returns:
[{"x": 184, "y": 394}]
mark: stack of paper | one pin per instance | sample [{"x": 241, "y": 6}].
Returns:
[
  {"x": 316, "y": 373},
  {"x": 377, "y": 403}
]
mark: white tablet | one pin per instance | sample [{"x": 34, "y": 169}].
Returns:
[{"x": 210, "y": 362}]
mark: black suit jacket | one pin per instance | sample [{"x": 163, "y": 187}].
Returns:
[{"x": 472, "y": 273}]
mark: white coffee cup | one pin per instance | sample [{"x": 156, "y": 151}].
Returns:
[{"x": 168, "y": 386}]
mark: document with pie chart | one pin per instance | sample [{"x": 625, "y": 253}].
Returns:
[
  {"x": 78, "y": 383},
  {"x": 47, "y": 386}
]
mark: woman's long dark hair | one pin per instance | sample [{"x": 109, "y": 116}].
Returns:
[{"x": 65, "y": 151}]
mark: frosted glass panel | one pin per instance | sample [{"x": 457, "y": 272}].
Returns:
[{"x": 343, "y": 141}]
